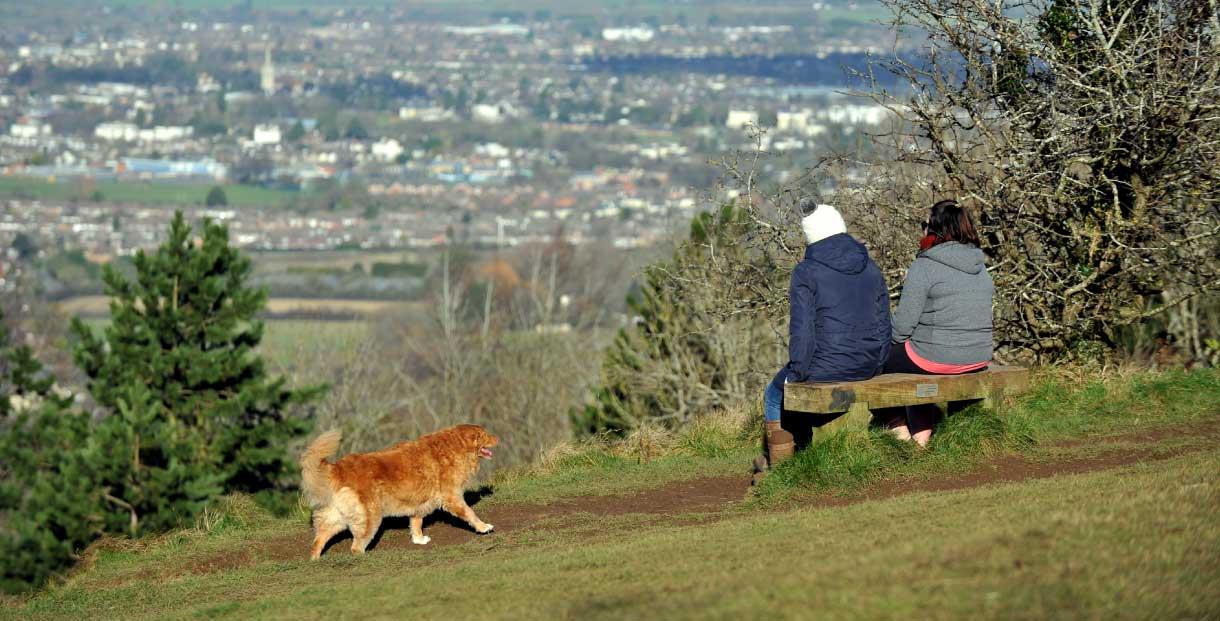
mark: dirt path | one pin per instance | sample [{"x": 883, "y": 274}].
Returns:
[
  {"x": 1016, "y": 468},
  {"x": 676, "y": 502}
]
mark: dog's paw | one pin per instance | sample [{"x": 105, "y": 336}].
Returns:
[
  {"x": 421, "y": 541},
  {"x": 487, "y": 528}
]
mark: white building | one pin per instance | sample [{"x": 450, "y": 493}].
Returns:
[
  {"x": 788, "y": 144},
  {"x": 426, "y": 114},
  {"x": 491, "y": 149},
  {"x": 266, "y": 134},
  {"x": 487, "y": 113},
  {"x": 205, "y": 83},
  {"x": 117, "y": 132},
  {"x": 495, "y": 30},
  {"x": 387, "y": 149},
  {"x": 793, "y": 120},
  {"x": 739, "y": 119},
  {"x": 856, "y": 114},
  {"x": 165, "y": 133},
  {"x": 29, "y": 130},
  {"x": 638, "y": 34}
]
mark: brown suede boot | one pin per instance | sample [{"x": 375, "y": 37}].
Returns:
[{"x": 779, "y": 442}]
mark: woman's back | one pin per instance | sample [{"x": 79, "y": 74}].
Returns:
[{"x": 945, "y": 309}]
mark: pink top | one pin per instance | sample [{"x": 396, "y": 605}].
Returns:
[{"x": 940, "y": 368}]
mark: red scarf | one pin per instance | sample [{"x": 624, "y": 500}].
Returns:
[{"x": 928, "y": 241}]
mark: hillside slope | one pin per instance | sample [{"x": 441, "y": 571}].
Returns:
[{"x": 1116, "y": 520}]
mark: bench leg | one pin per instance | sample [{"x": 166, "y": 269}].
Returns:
[
  {"x": 857, "y": 416},
  {"x": 994, "y": 400}
]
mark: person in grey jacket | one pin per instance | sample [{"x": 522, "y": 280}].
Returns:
[{"x": 942, "y": 325}]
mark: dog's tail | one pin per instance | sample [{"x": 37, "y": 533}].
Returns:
[{"x": 314, "y": 480}]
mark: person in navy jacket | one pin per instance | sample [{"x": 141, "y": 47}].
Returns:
[{"x": 840, "y": 319}]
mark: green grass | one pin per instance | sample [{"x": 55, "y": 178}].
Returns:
[
  {"x": 137, "y": 192},
  {"x": 1058, "y": 408},
  {"x": 1136, "y": 542},
  {"x": 286, "y": 340},
  {"x": 715, "y": 445}
]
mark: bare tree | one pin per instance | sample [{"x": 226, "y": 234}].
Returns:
[
  {"x": 1086, "y": 133},
  {"x": 457, "y": 362}
]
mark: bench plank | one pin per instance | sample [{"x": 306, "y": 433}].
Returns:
[{"x": 899, "y": 389}]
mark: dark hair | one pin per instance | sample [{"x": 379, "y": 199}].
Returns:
[{"x": 949, "y": 222}]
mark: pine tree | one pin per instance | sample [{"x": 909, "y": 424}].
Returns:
[
  {"x": 48, "y": 500},
  {"x": 145, "y": 461},
  {"x": 186, "y": 331}
]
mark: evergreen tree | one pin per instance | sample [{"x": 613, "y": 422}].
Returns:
[
  {"x": 185, "y": 330},
  {"x": 192, "y": 413},
  {"x": 146, "y": 466},
  {"x": 216, "y": 197},
  {"x": 48, "y": 500}
]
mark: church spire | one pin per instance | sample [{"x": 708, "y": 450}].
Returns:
[{"x": 268, "y": 73}]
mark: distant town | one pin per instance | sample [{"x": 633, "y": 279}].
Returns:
[{"x": 383, "y": 128}]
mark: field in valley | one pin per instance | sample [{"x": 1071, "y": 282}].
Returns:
[
  {"x": 285, "y": 341},
  {"x": 135, "y": 192}
]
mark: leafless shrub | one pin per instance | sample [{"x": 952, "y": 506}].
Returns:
[
  {"x": 458, "y": 363},
  {"x": 696, "y": 342},
  {"x": 1084, "y": 133},
  {"x": 1087, "y": 134}
]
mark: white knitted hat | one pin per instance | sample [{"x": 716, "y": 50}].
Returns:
[{"x": 823, "y": 222}]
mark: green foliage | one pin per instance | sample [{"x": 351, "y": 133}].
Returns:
[
  {"x": 191, "y": 411},
  {"x": 47, "y": 496},
  {"x": 25, "y": 245},
  {"x": 216, "y": 197},
  {"x": 399, "y": 270},
  {"x": 149, "y": 466},
  {"x": 186, "y": 329},
  {"x": 73, "y": 269},
  {"x": 679, "y": 359}
]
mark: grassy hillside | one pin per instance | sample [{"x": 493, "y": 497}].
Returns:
[{"x": 1093, "y": 498}]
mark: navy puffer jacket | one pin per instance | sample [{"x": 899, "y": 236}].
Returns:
[{"x": 840, "y": 325}]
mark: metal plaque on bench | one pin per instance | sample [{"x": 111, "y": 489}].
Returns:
[{"x": 926, "y": 390}]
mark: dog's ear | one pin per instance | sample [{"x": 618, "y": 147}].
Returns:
[{"x": 473, "y": 434}]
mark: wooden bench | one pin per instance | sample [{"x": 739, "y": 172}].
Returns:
[{"x": 850, "y": 403}]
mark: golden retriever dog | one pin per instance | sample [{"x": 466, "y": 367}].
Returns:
[{"x": 411, "y": 478}]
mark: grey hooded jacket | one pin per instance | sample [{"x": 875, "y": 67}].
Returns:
[{"x": 945, "y": 308}]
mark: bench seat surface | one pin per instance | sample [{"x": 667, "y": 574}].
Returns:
[{"x": 898, "y": 389}]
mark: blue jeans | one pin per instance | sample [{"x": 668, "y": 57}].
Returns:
[{"x": 773, "y": 402}]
